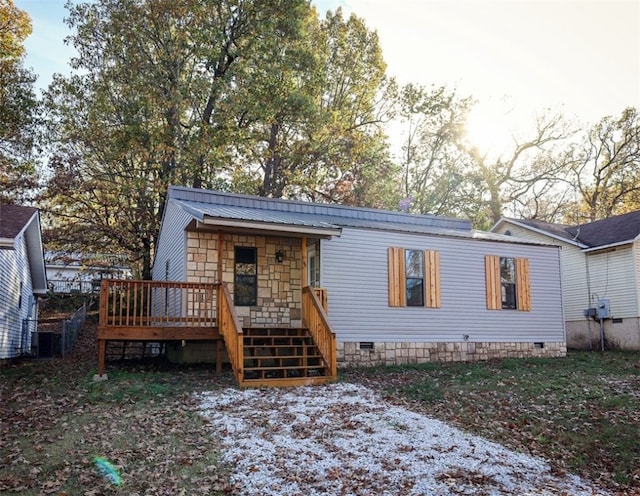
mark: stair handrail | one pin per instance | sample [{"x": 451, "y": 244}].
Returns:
[
  {"x": 231, "y": 331},
  {"x": 316, "y": 320}
]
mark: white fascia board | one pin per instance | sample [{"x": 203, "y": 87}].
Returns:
[
  {"x": 539, "y": 231},
  {"x": 280, "y": 228}
]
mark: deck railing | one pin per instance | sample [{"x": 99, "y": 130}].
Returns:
[
  {"x": 322, "y": 295},
  {"x": 160, "y": 311},
  {"x": 130, "y": 304},
  {"x": 315, "y": 318},
  {"x": 231, "y": 330},
  {"x": 155, "y": 311}
]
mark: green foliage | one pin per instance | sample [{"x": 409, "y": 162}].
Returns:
[
  {"x": 605, "y": 167},
  {"x": 436, "y": 172},
  {"x": 315, "y": 125},
  {"x": 267, "y": 97},
  {"x": 18, "y": 107},
  {"x": 252, "y": 96},
  {"x": 155, "y": 100}
]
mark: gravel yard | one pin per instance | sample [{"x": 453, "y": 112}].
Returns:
[{"x": 343, "y": 439}]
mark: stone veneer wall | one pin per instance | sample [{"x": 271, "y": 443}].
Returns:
[
  {"x": 350, "y": 354},
  {"x": 279, "y": 284}
]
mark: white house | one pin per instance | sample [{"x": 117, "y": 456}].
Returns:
[
  {"x": 74, "y": 273},
  {"x": 600, "y": 277},
  {"x": 22, "y": 278},
  {"x": 400, "y": 288}
]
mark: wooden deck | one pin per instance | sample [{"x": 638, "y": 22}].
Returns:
[{"x": 180, "y": 311}]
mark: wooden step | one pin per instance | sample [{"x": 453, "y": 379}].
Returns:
[
  {"x": 281, "y": 356},
  {"x": 253, "y": 341},
  {"x": 275, "y": 331},
  {"x": 282, "y": 363},
  {"x": 258, "y": 374}
]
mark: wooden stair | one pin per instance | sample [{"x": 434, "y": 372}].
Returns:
[{"x": 282, "y": 356}]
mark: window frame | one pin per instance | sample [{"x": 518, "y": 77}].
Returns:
[
  {"x": 240, "y": 280},
  {"x": 494, "y": 284},
  {"x": 508, "y": 283},
  {"x": 397, "y": 275},
  {"x": 410, "y": 299}
]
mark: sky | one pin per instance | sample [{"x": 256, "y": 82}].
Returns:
[{"x": 516, "y": 58}]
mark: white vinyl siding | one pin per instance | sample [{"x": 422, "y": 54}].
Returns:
[
  {"x": 611, "y": 276},
  {"x": 172, "y": 245},
  {"x": 636, "y": 273},
  {"x": 16, "y": 300},
  {"x": 354, "y": 268},
  {"x": 575, "y": 293}
]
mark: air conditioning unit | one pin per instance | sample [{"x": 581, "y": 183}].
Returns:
[{"x": 46, "y": 343}]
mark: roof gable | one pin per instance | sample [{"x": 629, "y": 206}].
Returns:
[{"x": 16, "y": 219}]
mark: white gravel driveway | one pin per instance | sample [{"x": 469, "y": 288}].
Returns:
[{"x": 343, "y": 439}]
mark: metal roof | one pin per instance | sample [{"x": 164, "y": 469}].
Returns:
[
  {"x": 269, "y": 210},
  {"x": 228, "y": 209},
  {"x": 201, "y": 211}
]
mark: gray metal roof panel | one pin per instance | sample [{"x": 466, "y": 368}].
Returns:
[
  {"x": 339, "y": 215},
  {"x": 201, "y": 210}
]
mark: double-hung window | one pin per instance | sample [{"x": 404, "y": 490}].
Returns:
[
  {"x": 414, "y": 278},
  {"x": 507, "y": 283}
]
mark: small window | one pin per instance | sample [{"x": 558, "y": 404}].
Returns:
[
  {"x": 508, "y": 282},
  {"x": 414, "y": 272},
  {"x": 313, "y": 264},
  {"x": 245, "y": 277}
]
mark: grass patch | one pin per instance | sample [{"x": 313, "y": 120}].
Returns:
[
  {"x": 582, "y": 412},
  {"x": 56, "y": 420}
]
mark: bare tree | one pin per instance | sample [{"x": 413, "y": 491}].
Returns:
[
  {"x": 605, "y": 167},
  {"x": 528, "y": 172}
]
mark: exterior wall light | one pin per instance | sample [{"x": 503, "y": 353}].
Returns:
[{"x": 279, "y": 256}]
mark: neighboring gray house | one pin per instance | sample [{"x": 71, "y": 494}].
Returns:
[
  {"x": 600, "y": 267},
  {"x": 22, "y": 278},
  {"x": 400, "y": 288}
]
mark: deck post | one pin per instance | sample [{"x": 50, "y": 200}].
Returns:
[
  {"x": 303, "y": 251},
  {"x": 219, "y": 347},
  {"x": 102, "y": 355},
  {"x": 220, "y": 254}
]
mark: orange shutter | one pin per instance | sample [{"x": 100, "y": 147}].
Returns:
[
  {"x": 523, "y": 289},
  {"x": 493, "y": 286},
  {"x": 397, "y": 291},
  {"x": 432, "y": 279}
]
